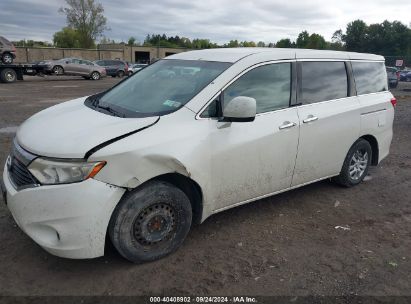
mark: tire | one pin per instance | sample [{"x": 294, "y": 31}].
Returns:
[
  {"x": 95, "y": 76},
  {"x": 8, "y": 75},
  {"x": 58, "y": 70},
  {"x": 114, "y": 76},
  {"x": 120, "y": 74},
  {"x": 151, "y": 222},
  {"x": 7, "y": 58},
  {"x": 356, "y": 164}
]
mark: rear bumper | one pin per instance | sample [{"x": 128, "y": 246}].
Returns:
[{"x": 66, "y": 220}]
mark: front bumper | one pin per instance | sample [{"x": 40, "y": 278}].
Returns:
[{"x": 66, "y": 220}]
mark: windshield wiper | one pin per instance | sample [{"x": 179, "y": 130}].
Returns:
[{"x": 110, "y": 110}]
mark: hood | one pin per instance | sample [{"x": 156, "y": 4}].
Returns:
[{"x": 71, "y": 129}]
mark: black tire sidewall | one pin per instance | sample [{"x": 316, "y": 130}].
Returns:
[
  {"x": 3, "y": 75},
  {"x": 122, "y": 221},
  {"x": 345, "y": 177}
]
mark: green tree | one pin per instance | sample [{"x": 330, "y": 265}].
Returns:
[
  {"x": 317, "y": 42},
  {"x": 232, "y": 44},
  {"x": 247, "y": 44},
  {"x": 87, "y": 18},
  {"x": 261, "y": 44},
  {"x": 284, "y": 43},
  {"x": 67, "y": 38},
  {"x": 131, "y": 41},
  {"x": 356, "y": 36},
  {"x": 303, "y": 40}
]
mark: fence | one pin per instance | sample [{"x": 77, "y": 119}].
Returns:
[
  {"x": 127, "y": 53},
  {"x": 31, "y": 54}
]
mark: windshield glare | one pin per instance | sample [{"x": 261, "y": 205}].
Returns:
[{"x": 162, "y": 87}]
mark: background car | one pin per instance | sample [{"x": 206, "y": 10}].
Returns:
[
  {"x": 7, "y": 51},
  {"x": 136, "y": 67},
  {"x": 405, "y": 75},
  {"x": 114, "y": 68},
  {"x": 393, "y": 75},
  {"x": 75, "y": 67}
]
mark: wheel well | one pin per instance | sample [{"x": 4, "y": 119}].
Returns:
[
  {"x": 190, "y": 188},
  {"x": 57, "y": 65},
  {"x": 374, "y": 146}
]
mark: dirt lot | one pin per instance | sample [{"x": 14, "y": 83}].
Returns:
[{"x": 283, "y": 245}]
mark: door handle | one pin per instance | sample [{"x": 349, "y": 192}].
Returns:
[
  {"x": 310, "y": 118},
  {"x": 287, "y": 125}
]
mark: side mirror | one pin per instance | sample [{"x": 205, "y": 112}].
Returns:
[{"x": 240, "y": 109}]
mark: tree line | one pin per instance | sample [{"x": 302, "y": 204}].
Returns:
[{"x": 86, "y": 24}]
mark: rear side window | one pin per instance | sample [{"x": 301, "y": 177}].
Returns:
[
  {"x": 321, "y": 81},
  {"x": 269, "y": 85},
  {"x": 370, "y": 77}
]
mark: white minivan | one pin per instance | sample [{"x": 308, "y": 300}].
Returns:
[{"x": 166, "y": 148}]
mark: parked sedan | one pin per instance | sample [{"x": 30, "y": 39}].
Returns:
[
  {"x": 114, "y": 68},
  {"x": 393, "y": 77},
  {"x": 75, "y": 67}
]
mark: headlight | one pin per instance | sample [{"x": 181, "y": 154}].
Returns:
[{"x": 50, "y": 172}]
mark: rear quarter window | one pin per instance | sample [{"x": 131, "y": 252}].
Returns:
[
  {"x": 322, "y": 81},
  {"x": 370, "y": 77}
]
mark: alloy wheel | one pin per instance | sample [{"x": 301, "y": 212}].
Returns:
[
  {"x": 7, "y": 58},
  {"x": 358, "y": 164}
]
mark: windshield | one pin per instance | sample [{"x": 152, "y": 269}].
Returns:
[{"x": 162, "y": 88}]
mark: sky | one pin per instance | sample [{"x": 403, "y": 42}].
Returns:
[{"x": 217, "y": 20}]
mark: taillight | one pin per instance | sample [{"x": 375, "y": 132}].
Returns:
[
  {"x": 126, "y": 67},
  {"x": 394, "y": 101},
  {"x": 398, "y": 75}
]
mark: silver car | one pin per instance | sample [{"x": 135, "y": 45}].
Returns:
[
  {"x": 75, "y": 67},
  {"x": 133, "y": 68}
]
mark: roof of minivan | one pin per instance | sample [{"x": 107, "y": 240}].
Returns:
[{"x": 235, "y": 54}]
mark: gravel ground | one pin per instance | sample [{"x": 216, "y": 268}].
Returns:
[{"x": 282, "y": 245}]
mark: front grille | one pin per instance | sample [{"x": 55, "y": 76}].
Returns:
[
  {"x": 17, "y": 165},
  {"x": 19, "y": 174}
]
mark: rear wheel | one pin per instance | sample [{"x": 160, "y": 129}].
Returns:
[
  {"x": 7, "y": 58},
  {"x": 120, "y": 74},
  {"x": 8, "y": 75},
  {"x": 95, "y": 75},
  {"x": 151, "y": 222},
  {"x": 356, "y": 164}
]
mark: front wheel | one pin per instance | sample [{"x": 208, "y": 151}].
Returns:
[
  {"x": 151, "y": 222},
  {"x": 7, "y": 58},
  {"x": 120, "y": 74},
  {"x": 356, "y": 164},
  {"x": 95, "y": 75}
]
